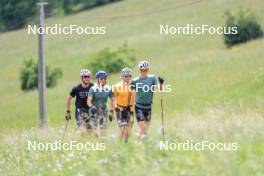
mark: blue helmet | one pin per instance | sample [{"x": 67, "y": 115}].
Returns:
[{"x": 101, "y": 74}]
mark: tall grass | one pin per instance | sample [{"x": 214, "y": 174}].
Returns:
[{"x": 145, "y": 157}]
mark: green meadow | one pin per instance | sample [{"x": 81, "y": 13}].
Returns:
[{"x": 217, "y": 93}]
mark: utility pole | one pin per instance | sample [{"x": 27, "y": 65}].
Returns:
[{"x": 41, "y": 68}]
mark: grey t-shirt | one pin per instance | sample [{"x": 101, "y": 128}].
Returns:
[
  {"x": 144, "y": 88},
  {"x": 100, "y": 95}
]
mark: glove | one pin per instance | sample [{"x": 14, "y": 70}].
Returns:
[
  {"x": 111, "y": 115},
  {"x": 161, "y": 80},
  {"x": 117, "y": 110},
  {"x": 94, "y": 109},
  {"x": 68, "y": 115}
]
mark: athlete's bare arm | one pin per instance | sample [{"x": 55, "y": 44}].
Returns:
[
  {"x": 68, "y": 102},
  {"x": 89, "y": 101},
  {"x": 113, "y": 104}
]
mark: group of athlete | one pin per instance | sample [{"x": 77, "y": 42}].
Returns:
[{"x": 127, "y": 98}]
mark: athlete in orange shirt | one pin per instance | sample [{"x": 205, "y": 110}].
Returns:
[{"x": 125, "y": 104}]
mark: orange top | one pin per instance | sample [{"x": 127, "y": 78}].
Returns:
[{"x": 122, "y": 94}]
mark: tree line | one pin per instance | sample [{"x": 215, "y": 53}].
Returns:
[{"x": 15, "y": 14}]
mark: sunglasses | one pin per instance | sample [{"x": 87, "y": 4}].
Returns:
[
  {"x": 144, "y": 70},
  {"x": 104, "y": 78},
  {"x": 86, "y": 76},
  {"x": 127, "y": 76}
]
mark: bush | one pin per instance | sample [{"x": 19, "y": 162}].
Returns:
[
  {"x": 29, "y": 75},
  {"x": 112, "y": 61},
  {"x": 247, "y": 26}
]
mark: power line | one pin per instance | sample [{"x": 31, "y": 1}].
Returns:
[
  {"x": 158, "y": 10},
  {"x": 141, "y": 13},
  {"x": 145, "y": 13}
]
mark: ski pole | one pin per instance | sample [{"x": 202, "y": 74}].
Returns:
[{"x": 162, "y": 118}]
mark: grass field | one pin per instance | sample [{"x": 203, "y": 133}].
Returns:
[{"x": 217, "y": 93}]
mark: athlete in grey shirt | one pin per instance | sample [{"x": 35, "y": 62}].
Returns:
[{"x": 144, "y": 86}]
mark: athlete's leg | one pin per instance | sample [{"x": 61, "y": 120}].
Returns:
[
  {"x": 143, "y": 118},
  {"x": 80, "y": 122},
  {"x": 119, "y": 123},
  {"x": 147, "y": 115},
  {"x": 92, "y": 126},
  {"x": 82, "y": 129},
  {"x": 130, "y": 124},
  {"x": 129, "y": 129},
  {"x": 102, "y": 117},
  {"x": 126, "y": 133},
  {"x": 141, "y": 121},
  {"x": 122, "y": 125},
  {"x": 77, "y": 118}
]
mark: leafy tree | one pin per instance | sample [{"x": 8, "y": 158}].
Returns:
[
  {"x": 112, "y": 61},
  {"x": 29, "y": 75}
]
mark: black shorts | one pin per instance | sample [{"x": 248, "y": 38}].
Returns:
[
  {"x": 125, "y": 118},
  {"x": 143, "y": 114}
]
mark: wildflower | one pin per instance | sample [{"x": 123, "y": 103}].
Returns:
[{"x": 103, "y": 161}]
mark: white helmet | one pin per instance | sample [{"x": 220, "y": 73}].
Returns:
[
  {"x": 85, "y": 72},
  {"x": 143, "y": 65},
  {"x": 126, "y": 71}
]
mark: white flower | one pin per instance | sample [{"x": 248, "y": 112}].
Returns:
[
  {"x": 103, "y": 161},
  {"x": 116, "y": 155},
  {"x": 58, "y": 164},
  {"x": 68, "y": 159},
  {"x": 182, "y": 172},
  {"x": 159, "y": 130},
  {"x": 71, "y": 155},
  {"x": 113, "y": 136}
]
